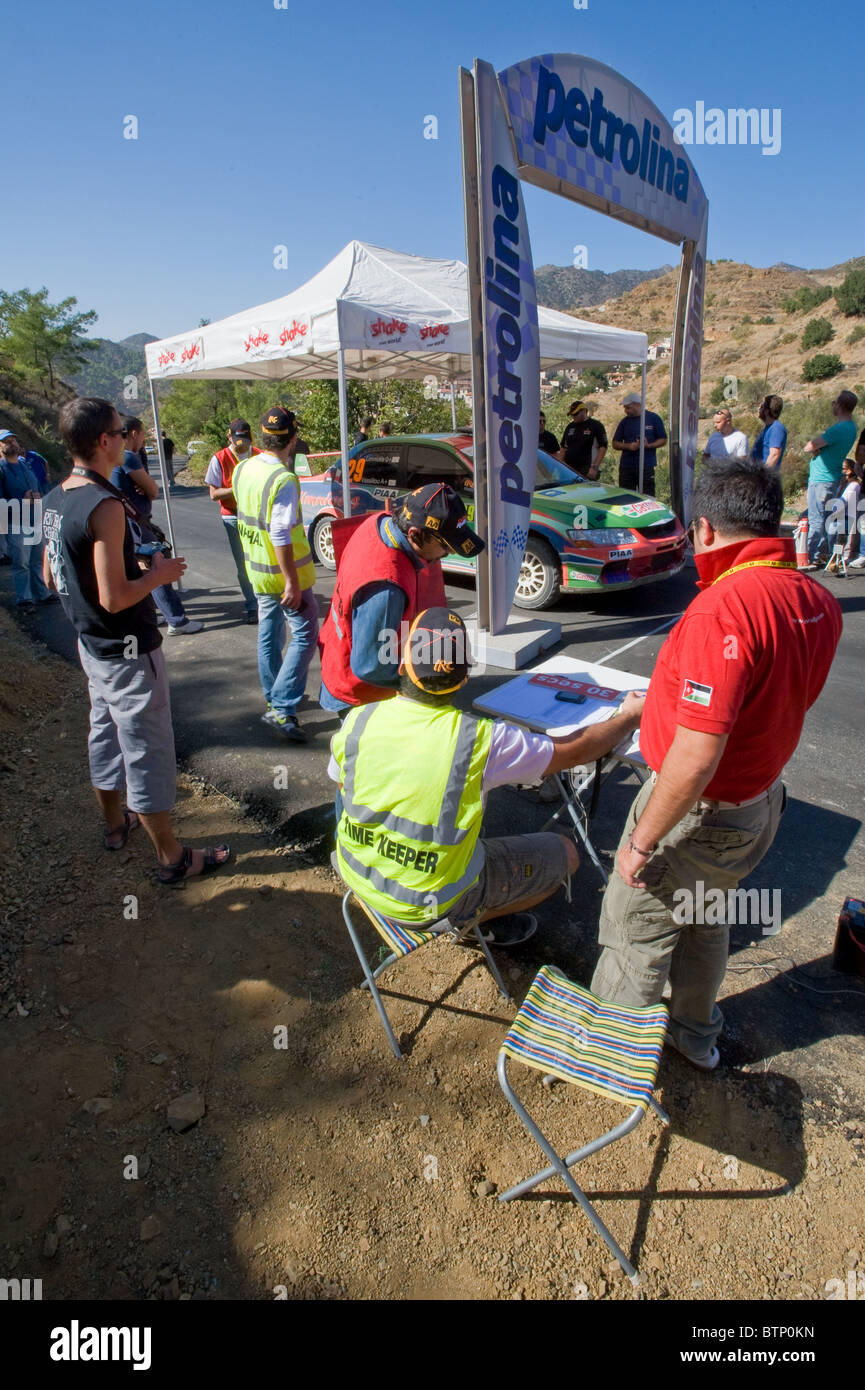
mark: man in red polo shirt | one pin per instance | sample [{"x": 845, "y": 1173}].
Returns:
[{"x": 724, "y": 713}]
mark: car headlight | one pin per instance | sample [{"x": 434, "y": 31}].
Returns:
[{"x": 612, "y": 535}]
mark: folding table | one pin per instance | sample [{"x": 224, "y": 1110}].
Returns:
[{"x": 530, "y": 699}]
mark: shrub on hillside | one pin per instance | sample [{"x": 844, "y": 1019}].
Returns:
[
  {"x": 821, "y": 366},
  {"x": 818, "y": 332},
  {"x": 767, "y": 318},
  {"x": 857, "y": 334},
  {"x": 850, "y": 295},
  {"x": 806, "y": 299}
]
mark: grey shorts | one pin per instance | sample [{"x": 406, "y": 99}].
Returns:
[
  {"x": 131, "y": 743},
  {"x": 516, "y": 867}
]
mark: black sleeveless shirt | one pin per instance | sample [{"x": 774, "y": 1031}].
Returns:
[{"x": 66, "y": 525}]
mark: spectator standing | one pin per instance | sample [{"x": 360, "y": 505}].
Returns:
[
  {"x": 168, "y": 454},
  {"x": 90, "y": 560},
  {"x": 771, "y": 442},
  {"x": 39, "y": 468},
  {"x": 279, "y": 564},
  {"x": 844, "y": 521},
  {"x": 363, "y": 433},
  {"x": 626, "y": 441},
  {"x": 828, "y": 451},
  {"x": 218, "y": 478},
  {"x": 546, "y": 439},
  {"x": 725, "y": 442},
  {"x": 712, "y": 733},
  {"x": 385, "y": 428},
  {"x": 20, "y": 490},
  {"x": 132, "y": 478},
  {"x": 584, "y": 442}
]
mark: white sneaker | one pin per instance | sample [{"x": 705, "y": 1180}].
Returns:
[
  {"x": 857, "y": 564},
  {"x": 186, "y": 629}
]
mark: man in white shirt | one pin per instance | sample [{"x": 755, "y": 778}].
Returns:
[{"x": 725, "y": 442}]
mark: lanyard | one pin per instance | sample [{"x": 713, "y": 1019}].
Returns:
[
  {"x": 132, "y": 512},
  {"x": 758, "y": 564}
]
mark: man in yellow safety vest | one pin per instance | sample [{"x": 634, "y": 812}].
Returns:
[
  {"x": 413, "y": 774},
  {"x": 280, "y": 569}
]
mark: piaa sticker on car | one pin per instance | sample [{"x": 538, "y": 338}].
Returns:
[{"x": 625, "y": 554}]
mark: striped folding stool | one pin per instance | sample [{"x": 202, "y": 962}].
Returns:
[
  {"x": 403, "y": 942},
  {"x": 573, "y": 1035}
]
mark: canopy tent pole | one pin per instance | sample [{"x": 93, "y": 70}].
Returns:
[
  {"x": 343, "y": 432},
  {"x": 453, "y": 407},
  {"x": 642, "y": 428},
  {"x": 163, "y": 472}
]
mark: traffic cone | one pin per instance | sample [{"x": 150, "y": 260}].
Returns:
[{"x": 801, "y": 539}]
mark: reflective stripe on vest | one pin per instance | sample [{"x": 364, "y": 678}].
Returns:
[
  {"x": 256, "y": 482},
  {"x": 412, "y": 868}
]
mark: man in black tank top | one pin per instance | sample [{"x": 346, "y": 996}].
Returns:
[{"x": 90, "y": 561}]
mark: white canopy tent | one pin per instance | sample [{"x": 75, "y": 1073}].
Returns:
[{"x": 371, "y": 315}]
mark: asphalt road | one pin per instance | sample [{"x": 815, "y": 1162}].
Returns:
[{"x": 817, "y": 859}]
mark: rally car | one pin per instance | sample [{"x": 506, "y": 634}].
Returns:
[{"x": 583, "y": 537}]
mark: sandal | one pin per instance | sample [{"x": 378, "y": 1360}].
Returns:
[
  {"x": 175, "y": 875},
  {"x": 130, "y": 823}
]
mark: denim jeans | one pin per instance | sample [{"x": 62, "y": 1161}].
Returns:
[
  {"x": 818, "y": 495},
  {"x": 27, "y": 570},
  {"x": 249, "y": 596},
  {"x": 168, "y": 602},
  {"x": 284, "y": 681}
]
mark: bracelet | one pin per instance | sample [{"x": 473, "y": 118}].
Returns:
[{"x": 643, "y": 853}]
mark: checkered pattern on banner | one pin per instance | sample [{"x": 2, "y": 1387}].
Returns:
[{"x": 583, "y": 169}]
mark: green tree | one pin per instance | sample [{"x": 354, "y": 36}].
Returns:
[
  {"x": 850, "y": 294},
  {"x": 42, "y": 339},
  {"x": 805, "y": 299},
  {"x": 821, "y": 366},
  {"x": 818, "y": 332}
]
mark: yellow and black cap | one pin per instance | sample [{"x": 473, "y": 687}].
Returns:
[
  {"x": 442, "y": 511},
  {"x": 240, "y": 429},
  {"x": 278, "y": 420},
  {"x": 437, "y": 647}
]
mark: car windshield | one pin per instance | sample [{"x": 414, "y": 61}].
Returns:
[{"x": 550, "y": 473}]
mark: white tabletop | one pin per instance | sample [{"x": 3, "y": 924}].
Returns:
[{"x": 535, "y": 705}]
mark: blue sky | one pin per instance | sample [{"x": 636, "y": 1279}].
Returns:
[{"x": 304, "y": 127}]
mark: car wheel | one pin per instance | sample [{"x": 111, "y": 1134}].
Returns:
[
  {"x": 540, "y": 576},
  {"x": 322, "y": 543}
]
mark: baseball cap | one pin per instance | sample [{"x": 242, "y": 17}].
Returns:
[
  {"x": 442, "y": 511},
  {"x": 240, "y": 429},
  {"x": 7, "y": 434},
  {"x": 278, "y": 420},
  {"x": 632, "y": 399},
  {"x": 438, "y": 645},
  {"x": 577, "y": 405}
]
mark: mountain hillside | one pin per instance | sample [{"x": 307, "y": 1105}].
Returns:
[
  {"x": 569, "y": 287},
  {"x": 751, "y": 346},
  {"x": 109, "y": 370}
]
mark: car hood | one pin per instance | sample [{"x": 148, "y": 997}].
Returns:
[{"x": 605, "y": 506}]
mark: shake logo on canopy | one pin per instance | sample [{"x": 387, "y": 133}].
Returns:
[
  {"x": 294, "y": 334},
  {"x": 589, "y": 123},
  {"x": 256, "y": 341},
  {"x": 382, "y": 328}
]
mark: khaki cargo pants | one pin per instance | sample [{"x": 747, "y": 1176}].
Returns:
[{"x": 644, "y": 945}]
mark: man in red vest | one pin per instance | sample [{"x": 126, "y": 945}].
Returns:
[
  {"x": 218, "y": 477},
  {"x": 388, "y": 573}
]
